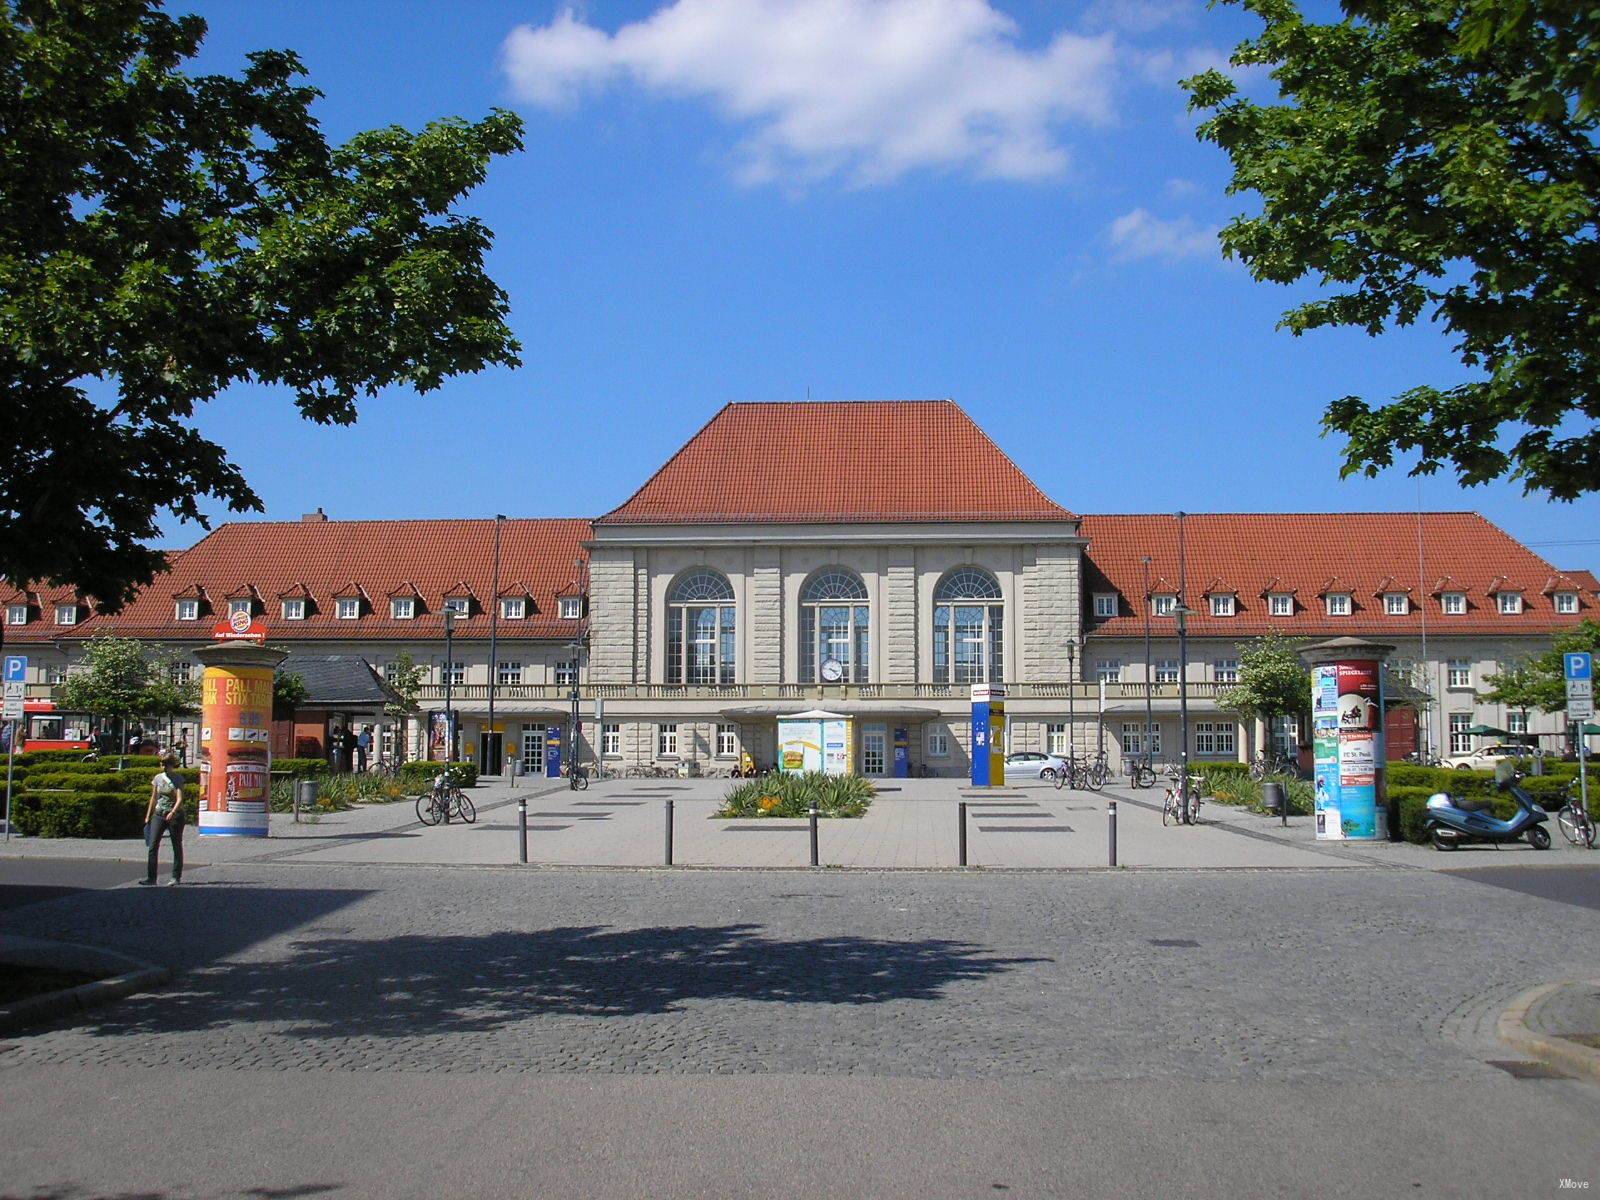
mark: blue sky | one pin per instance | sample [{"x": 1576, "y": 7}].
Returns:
[{"x": 1000, "y": 202}]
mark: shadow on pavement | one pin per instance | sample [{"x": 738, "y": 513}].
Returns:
[
  {"x": 410, "y": 985},
  {"x": 71, "y": 1191}
]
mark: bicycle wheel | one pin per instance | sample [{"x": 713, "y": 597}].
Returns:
[
  {"x": 1169, "y": 809},
  {"x": 426, "y": 812},
  {"x": 1258, "y": 771},
  {"x": 1094, "y": 778},
  {"x": 1060, "y": 779},
  {"x": 1144, "y": 777},
  {"x": 463, "y": 807},
  {"x": 1576, "y": 826},
  {"x": 580, "y": 781}
]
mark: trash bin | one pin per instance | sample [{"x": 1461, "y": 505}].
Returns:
[
  {"x": 305, "y": 795},
  {"x": 513, "y": 769},
  {"x": 1272, "y": 797}
]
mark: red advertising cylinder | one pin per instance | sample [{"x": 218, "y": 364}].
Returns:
[{"x": 236, "y": 737}]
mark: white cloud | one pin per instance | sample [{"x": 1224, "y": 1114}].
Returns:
[
  {"x": 866, "y": 89},
  {"x": 1180, "y": 189},
  {"x": 1141, "y": 234}
]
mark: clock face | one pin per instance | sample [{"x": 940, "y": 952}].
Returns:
[{"x": 832, "y": 670}]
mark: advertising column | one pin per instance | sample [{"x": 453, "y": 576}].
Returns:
[
  {"x": 988, "y": 735},
  {"x": 1347, "y": 708},
  {"x": 236, "y": 737}
]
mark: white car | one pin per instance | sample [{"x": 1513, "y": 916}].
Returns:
[
  {"x": 1484, "y": 758},
  {"x": 1030, "y": 764}
]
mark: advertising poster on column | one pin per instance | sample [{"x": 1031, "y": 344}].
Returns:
[
  {"x": 836, "y": 747},
  {"x": 1360, "y": 747},
  {"x": 235, "y": 749},
  {"x": 1325, "y": 751}
]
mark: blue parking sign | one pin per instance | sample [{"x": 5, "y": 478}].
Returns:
[
  {"x": 16, "y": 668},
  {"x": 1576, "y": 665}
]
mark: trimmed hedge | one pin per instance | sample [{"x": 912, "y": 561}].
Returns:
[{"x": 300, "y": 768}]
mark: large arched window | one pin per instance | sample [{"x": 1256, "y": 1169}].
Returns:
[
  {"x": 700, "y": 629},
  {"x": 835, "y": 626},
  {"x": 968, "y": 628}
]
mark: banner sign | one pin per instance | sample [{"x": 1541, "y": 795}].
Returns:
[{"x": 240, "y": 627}]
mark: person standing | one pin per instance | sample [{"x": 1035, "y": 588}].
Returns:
[
  {"x": 363, "y": 748},
  {"x": 164, "y": 814}
]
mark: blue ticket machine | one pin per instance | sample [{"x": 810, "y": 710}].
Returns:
[
  {"x": 902, "y": 753},
  {"x": 552, "y": 751},
  {"x": 988, "y": 735}
]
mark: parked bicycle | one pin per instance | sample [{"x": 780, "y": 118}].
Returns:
[
  {"x": 1084, "y": 773},
  {"x": 1576, "y": 825},
  {"x": 1181, "y": 806},
  {"x": 1264, "y": 764},
  {"x": 1142, "y": 773},
  {"x": 577, "y": 777},
  {"x": 443, "y": 801}
]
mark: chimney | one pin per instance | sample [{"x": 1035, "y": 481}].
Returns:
[{"x": 319, "y": 515}]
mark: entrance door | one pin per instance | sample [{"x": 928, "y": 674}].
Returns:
[
  {"x": 490, "y": 753},
  {"x": 874, "y": 749},
  {"x": 533, "y": 749}
]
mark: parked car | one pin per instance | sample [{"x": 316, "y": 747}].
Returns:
[
  {"x": 1031, "y": 764},
  {"x": 1484, "y": 758}
]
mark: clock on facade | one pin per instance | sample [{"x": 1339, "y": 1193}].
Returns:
[{"x": 832, "y": 670}]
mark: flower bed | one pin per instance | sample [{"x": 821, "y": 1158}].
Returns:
[{"x": 778, "y": 795}]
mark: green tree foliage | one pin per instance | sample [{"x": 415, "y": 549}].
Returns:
[
  {"x": 1273, "y": 682},
  {"x": 1436, "y": 159},
  {"x": 1538, "y": 683},
  {"x": 165, "y": 235},
  {"x": 405, "y": 678},
  {"x": 288, "y": 693},
  {"x": 119, "y": 677}
]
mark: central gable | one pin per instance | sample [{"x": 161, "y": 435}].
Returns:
[{"x": 809, "y": 462}]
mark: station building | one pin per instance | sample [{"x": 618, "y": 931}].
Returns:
[{"x": 898, "y": 559}]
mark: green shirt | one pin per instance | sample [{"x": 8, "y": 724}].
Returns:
[{"x": 166, "y": 793}]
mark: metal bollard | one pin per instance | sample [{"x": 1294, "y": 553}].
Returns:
[
  {"x": 815, "y": 860},
  {"x": 522, "y": 830},
  {"x": 961, "y": 831},
  {"x": 1111, "y": 824},
  {"x": 305, "y": 792},
  {"x": 669, "y": 831}
]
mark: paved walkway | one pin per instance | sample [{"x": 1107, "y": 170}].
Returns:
[{"x": 913, "y": 824}]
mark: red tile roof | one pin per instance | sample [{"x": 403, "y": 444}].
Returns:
[
  {"x": 827, "y": 461},
  {"x": 333, "y": 558},
  {"x": 1311, "y": 554}
]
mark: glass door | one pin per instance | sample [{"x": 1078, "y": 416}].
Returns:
[
  {"x": 533, "y": 749},
  {"x": 874, "y": 749}
]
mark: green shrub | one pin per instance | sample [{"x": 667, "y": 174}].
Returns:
[
  {"x": 300, "y": 768},
  {"x": 1236, "y": 788},
  {"x": 420, "y": 775},
  {"x": 1219, "y": 770},
  {"x": 778, "y": 795}
]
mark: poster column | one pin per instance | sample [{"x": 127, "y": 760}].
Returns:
[
  {"x": 236, "y": 737},
  {"x": 988, "y": 735},
  {"x": 1347, "y": 713}
]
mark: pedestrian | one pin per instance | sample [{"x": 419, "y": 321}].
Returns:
[
  {"x": 164, "y": 814},
  {"x": 363, "y": 748}
]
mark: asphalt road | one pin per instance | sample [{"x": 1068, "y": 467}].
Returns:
[
  {"x": 32, "y": 880},
  {"x": 379, "y": 1031}
]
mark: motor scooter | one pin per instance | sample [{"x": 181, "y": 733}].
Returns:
[{"x": 1453, "y": 822}]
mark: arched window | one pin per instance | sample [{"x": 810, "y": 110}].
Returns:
[
  {"x": 968, "y": 628},
  {"x": 835, "y": 626},
  {"x": 700, "y": 629}
]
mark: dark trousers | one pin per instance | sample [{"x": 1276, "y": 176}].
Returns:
[{"x": 174, "y": 827}]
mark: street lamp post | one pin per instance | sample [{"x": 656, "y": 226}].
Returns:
[
  {"x": 494, "y": 650},
  {"x": 1072, "y": 706},
  {"x": 572, "y": 726},
  {"x": 1183, "y": 610},
  {"x": 449, "y": 671},
  {"x": 1149, "y": 737}
]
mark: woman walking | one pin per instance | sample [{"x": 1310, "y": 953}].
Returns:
[{"x": 164, "y": 814}]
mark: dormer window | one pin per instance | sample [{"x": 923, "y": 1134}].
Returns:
[
  {"x": 17, "y": 614},
  {"x": 1566, "y": 602},
  {"x": 403, "y": 608},
  {"x": 294, "y": 609},
  {"x": 1396, "y": 604},
  {"x": 1338, "y": 604},
  {"x": 347, "y": 608},
  {"x": 571, "y": 608},
  {"x": 457, "y": 605},
  {"x": 1280, "y": 604},
  {"x": 1222, "y": 604},
  {"x": 1510, "y": 603},
  {"x": 66, "y": 614},
  {"x": 514, "y": 608},
  {"x": 1105, "y": 604},
  {"x": 1454, "y": 604},
  {"x": 1164, "y": 605},
  {"x": 245, "y": 606},
  {"x": 187, "y": 610}
]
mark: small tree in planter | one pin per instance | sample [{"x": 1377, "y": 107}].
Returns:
[{"x": 1273, "y": 681}]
